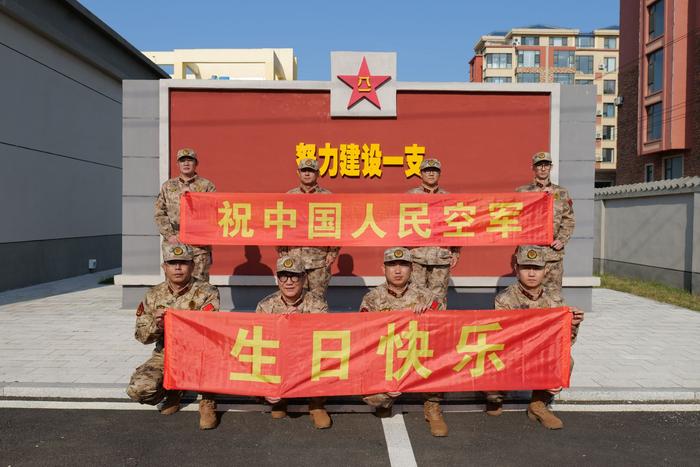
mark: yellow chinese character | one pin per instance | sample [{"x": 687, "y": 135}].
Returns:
[
  {"x": 342, "y": 355},
  {"x": 305, "y": 151},
  {"x": 409, "y": 219},
  {"x": 330, "y": 160},
  {"x": 324, "y": 220},
  {"x": 410, "y": 354},
  {"x": 282, "y": 218},
  {"x": 234, "y": 219},
  {"x": 255, "y": 357},
  {"x": 504, "y": 218},
  {"x": 371, "y": 160},
  {"x": 414, "y": 156},
  {"x": 369, "y": 222},
  {"x": 455, "y": 212},
  {"x": 349, "y": 160},
  {"x": 481, "y": 349}
]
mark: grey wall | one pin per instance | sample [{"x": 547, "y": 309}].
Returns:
[
  {"x": 651, "y": 236},
  {"x": 60, "y": 140}
]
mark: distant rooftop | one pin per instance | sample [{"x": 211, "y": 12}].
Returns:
[{"x": 540, "y": 26}]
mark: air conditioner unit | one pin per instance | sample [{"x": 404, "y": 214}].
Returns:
[
  {"x": 618, "y": 100},
  {"x": 599, "y": 114},
  {"x": 598, "y": 136},
  {"x": 515, "y": 41},
  {"x": 601, "y": 67},
  {"x": 599, "y": 158}
]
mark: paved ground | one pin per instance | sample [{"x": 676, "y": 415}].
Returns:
[
  {"x": 71, "y": 339},
  {"x": 102, "y": 437}
]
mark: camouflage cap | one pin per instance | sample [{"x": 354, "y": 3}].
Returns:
[
  {"x": 530, "y": 255},
  {"x": 397, "y": 254},
  {"x": 177, "y": 252},
  {"x": 186, "y": 152},
  {"x": 308, "y": 163},
  {"x": 541, "y": 157},
  {"x": 430, "y": 164},
  {"x": 290, "y": 264}
]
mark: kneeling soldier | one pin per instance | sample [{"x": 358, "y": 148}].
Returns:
[
  {"x": 293, "y": 298},
  {"x": 528, "y": 292},
  {"x": 399, "y": 293},
  {"x": 180, "y": 291}
]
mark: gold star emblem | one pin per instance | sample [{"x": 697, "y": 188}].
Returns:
[
  {"x": 531, "y": 254},
  {"x": 177, "y": 251},
  {"x": 288, "y": 263},
  {"x": 398, "y": 254}
]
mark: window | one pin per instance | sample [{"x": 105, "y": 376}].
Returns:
[
  {"x": 656, "y": 19},
  {"x": 498, "y": 79},
  {"x": 587, "y": 41},
  {"x": 528, "y": 77},
  {"x": 529, "y": 58},
  {"x": 608, "y": 110},
  {"x": 610, "y": 63},
  {"x": 610, "y": 43},
  {"x": 530, "y": 40},
  {"x": 564, "y": 78},
  {"x": 584, "y": 64},
  {"x": 654, "y": 122},
  {"x": 584, "y": 81},
  {"x": 673, "y": 167},
  {"x": 560, "y": 41},
  {"x": 655, "y": 71},
  {"x": 563, "y": 59},
  {"x": 609, "y": 86},
  {"x": 608, "y": 132},
  {"x": 608, "y": 155},
  {"x": 499, "y": 60},
  {"x": 648, "y": 172}
]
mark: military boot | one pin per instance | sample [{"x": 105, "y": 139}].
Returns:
[
  {"x": 207, "y": 414},
  {"x": 383, "y": 412},
  {"x": 171, "y": 403},
  {"x": 433, "y": 415},
  {"x": 279, "y": 410},
  {"x": 538, "y": 411},
  {"x": 319, "y": 416},
  {"x": 494, "y": 407}
]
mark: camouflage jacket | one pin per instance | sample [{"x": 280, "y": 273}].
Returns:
[
  {"x": 167, "y": 207},
  {"x": 515, "y": 297},
  {"x": 197, "y": 296},
  {"x": 432, "y": 255},
  {"x": 312, "y": 257},
  {"x": 309, "y": 302},
  {"x": 381, "y": 298},
  {"x": 564, "y": 220}
]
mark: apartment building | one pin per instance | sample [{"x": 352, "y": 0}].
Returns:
[{"x": 546, "y": 54}]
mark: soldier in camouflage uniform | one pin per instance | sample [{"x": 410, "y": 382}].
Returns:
[
  {"x": 564, "y": 221},
  {"x": 400, "y": 293},
  {"x": 167, "y": 208},
  {"x": 529, "y": 292},
  {"x": 432, "y": 264},
  {"x": 180, "y": 291},
  {"x": 317, "y": 260},
  {"x": 293, "y": 298}
]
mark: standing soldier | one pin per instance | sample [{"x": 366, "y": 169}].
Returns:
[
  {"x": 317, "y": 261},
  {"x": 179, "y": 291},
  {"x": 432, "y": 264},
  {"x": 293, "y": 298},
  {"x": 167, "y": 208},
  {"x": 529, "y": 292},
  {"x": 563, "y": 218},
  {"x": 399, "y": 293}
]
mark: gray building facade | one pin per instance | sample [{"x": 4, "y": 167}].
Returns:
[{"x": 61, "y": 139}]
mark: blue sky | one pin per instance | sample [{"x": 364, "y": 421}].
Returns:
[{"x": 434, "y": 40}]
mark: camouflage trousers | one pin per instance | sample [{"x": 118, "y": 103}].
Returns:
[
  {"x": 317, "y": 280},
  {"x": 385, "y": 400},
  {"x": 434, "y": 277},
  {"x": 553, "y": 278},
  {"x": 146, "y": 384},
  {"x": 202, "y": 261},
  {"x": 497, "y": 396}
]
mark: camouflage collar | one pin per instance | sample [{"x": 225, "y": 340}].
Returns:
[
  {"x": 298, "y": 300},
  {"x": 529, "y": 295},
  {"x": 313, "y": 189},
  {"x": 397, "y": 294},
  {"x": 182, "y": 291},
  {"x": 188, "y": 181},
  {"x": 429, "y": 190},
  {"x": 542, "y": 185}
]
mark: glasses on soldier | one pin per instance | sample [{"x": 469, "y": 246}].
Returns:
[{"x": 289, "y": 277}]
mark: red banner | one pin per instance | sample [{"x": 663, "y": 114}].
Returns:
[
  {"x": 361, "y": 220},
  {"x": 306, "y": 355}
]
